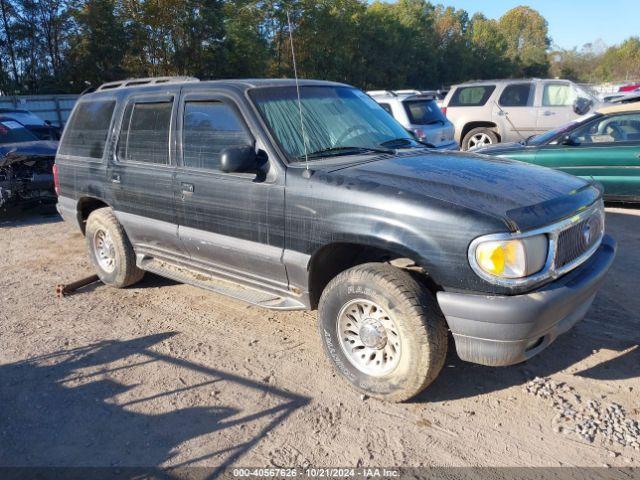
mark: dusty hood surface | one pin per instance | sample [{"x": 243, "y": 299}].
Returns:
[{"x": 526, "y": 196}]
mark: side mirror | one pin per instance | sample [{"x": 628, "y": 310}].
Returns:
[
  {"x": 569, "y": 141},
  {"x": 581, "y": 105},
  {"x": 48, "y": 122},
  {"x": 238, "y": 159}
]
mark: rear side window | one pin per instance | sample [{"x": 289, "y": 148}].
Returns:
[
  {"x": 144, "y": 135},
  {"x": 424, "y": 112},
  {"x": 86, "y": 133},
  {"x": 208, "y": 128},
  {"x": 517, "y": 95},
  {"x": 475, "y": 96}
]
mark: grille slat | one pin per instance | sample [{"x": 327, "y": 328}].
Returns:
[{"x": 578, "y": 238}]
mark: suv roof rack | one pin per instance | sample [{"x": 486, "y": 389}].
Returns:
[
  {"x": 382, "y": 92},
  {"x": 410, "y": 93},
  {"x": 134, "y": 82}
]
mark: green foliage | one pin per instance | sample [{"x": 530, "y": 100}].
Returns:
[
  {"x": 589, "y": 64},
  {"x": 66, "y": 45},
  {"x": 527, "y": 39},
  {"x": 621, "y": 62}
]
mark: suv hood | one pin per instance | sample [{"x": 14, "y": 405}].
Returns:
[{"x": 525, "y": 196}]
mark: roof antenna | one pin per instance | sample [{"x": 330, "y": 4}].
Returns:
[{"x": 295, "y": 73}]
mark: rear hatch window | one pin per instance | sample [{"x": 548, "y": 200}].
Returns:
[
  {"x": 14, "y": 132},
  {"x": 472, "y": 96},
  {"x": 424, "y": 112}
]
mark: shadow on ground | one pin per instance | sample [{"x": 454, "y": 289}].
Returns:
[
  {"x": 21, "y": 217},
  {"x": 55, "y": 413},
  {"x": 612, "y": 323}
]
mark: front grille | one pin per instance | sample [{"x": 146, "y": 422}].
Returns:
[{"x": 579, "y": 238}]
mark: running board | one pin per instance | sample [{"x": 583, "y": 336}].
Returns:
[{"x": 224, "y": 287}]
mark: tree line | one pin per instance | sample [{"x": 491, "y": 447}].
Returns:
[{"x": 60, "y": 46}]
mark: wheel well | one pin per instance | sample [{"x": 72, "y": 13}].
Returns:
[
  {"x": 333, "y": 259},
  {"x": 471, "y": 125},
  {"x": 86, "y": 205}
]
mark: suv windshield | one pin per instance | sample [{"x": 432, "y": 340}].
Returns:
[
  {"x": 424, "y": 112},
  {"x": 14, "y": 132},
  {"x": 337, "y": 121}
]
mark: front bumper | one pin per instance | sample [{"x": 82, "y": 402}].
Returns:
[{"x": 503, "y": 330}]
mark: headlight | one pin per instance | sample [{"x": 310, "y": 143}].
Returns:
[{"x": 511, "y": 258}]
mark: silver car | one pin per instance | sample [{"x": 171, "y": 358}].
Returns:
[
  {"x": 494, "y": 111},
  {"x": 419, "y": 113}
]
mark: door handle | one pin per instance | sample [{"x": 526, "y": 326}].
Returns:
[
  {"x": 502, "y": 113},
  {"x": 115, "y": 178},
  {"x": 548, "y": 113},
  {"x": 187, "y": 187}
]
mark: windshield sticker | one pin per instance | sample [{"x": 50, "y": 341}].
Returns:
[{"x": 11, "y": 125}]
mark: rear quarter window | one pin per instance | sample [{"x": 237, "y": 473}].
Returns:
[
  {"x": 472, "y": 96},
  {"x": 87, "y": 130}
]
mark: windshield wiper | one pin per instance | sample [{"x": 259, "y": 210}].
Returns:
[
  {"x": 402, "y": 141},
  {"x": 345, "y": 150},
  {"x": 406, "y": 142}
]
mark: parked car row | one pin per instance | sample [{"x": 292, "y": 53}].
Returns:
[
  {"x": 419, "y": 113},
  {"x": 603, "y": 146},
  {"x": 490, "y": 112},
  {"x": 536, "y": 121},
  {"x": 310, "y": 195}
]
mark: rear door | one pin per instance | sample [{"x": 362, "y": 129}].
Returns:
[
  {"x": 141, "y": 173},
  {"x": 607, "y": 150},
  {"x": 232, "y": 222},
  {"x": 515, "y": 112}
]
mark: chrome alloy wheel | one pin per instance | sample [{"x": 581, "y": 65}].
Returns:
[
  {"x": 479, "y": 140},
  {"x": 369, "y": 338},
  {"x": 104, "y": 250}
]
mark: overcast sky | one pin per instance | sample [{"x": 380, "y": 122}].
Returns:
[{"x": 572, "y": 23}]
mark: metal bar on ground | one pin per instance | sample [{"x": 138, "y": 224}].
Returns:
[{"x": 62, "y": 290}]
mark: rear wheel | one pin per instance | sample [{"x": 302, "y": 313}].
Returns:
[
  {"x": 383, "y": 331},
  {"x": 479, "y": 137},
  {"x": 110, "y": 250}
]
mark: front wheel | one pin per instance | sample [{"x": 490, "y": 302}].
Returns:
[{"x": 383, "y": 331}]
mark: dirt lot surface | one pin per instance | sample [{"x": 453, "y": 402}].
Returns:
[{"x": 167, "y": 374}]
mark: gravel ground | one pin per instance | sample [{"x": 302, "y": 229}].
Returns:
[{"x": 165, "y": 374}]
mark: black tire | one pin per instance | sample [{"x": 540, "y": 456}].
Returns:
[
  {"x": 478, "y": 131},
  {"x": 421, "y": 326},
  {"x": 125, "y": 271}
]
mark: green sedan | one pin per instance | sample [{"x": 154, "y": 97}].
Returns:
[{"x": 604, "y": 146}]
